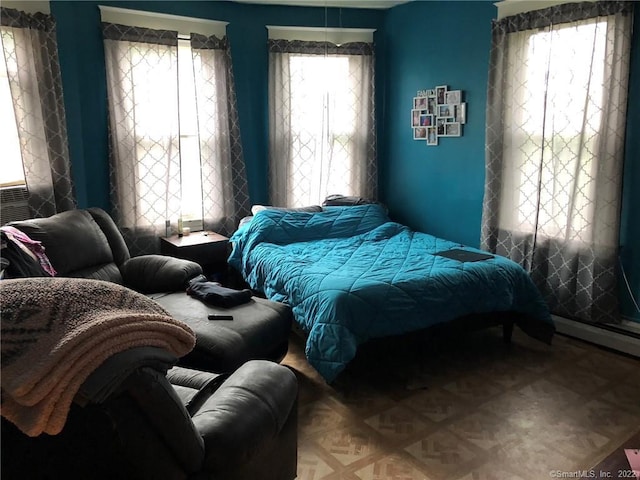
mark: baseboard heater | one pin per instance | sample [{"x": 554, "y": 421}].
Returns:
[{"x": 624, "y": 338}]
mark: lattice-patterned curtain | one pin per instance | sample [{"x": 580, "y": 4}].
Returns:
[
  {"x": 142, "y": 84},
  {"x": 150, "y": 179},
  {"x": 556, "y": 118},
  {"x": 322, "y": 137},
  {"x": 224, "y": 181},
  {"x": 30, "y": 56}
]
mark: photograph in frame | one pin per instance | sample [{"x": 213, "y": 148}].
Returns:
[
  {"x": 419, "y": 133},
  {"x": 431, "y": 105},
  {"x": 454, "y": 96},
  {"x": 452, "y": 129},
  {"x": 446, "y": 110},
  {"x": 441, "y": 95},
  {"x": 426, "y": 120},
  {"x": 420, "y": 103},
  {"x": 415, "y": 118},
  {"x": 460, "y": 114},
  {"x": 432, "y": 136}
]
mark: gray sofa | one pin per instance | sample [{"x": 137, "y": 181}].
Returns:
[
  {"x": 87, "y": 244},
  {"x": 238, "y": 423}
]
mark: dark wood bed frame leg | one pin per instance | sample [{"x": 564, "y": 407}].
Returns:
[{"x": 507, "y": 331}]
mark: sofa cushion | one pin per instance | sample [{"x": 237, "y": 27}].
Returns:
[
  {"x": 158, "y": 273},
  {"x": 119, "y": 248},
  {"x": 72, "y": 240},
  {"x": 259, "y": 330},
  {"x": 108, "y": 272},
  {"x": 245, "y": 414}
]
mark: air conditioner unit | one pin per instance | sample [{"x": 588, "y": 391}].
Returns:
[{"x": 13, "y": 204}]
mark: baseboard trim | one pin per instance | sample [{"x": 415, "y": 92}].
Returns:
[{"x": 600, "y": 336}]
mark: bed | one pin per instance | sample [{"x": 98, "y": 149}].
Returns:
[{"x": 350, "y": 275}]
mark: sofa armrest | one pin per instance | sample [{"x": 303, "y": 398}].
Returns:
[
  {"x": 158, "y": 273},
  {"x": 246, "y": 414}
]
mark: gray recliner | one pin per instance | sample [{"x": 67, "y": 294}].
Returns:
[{"x": 133, "y": 420}]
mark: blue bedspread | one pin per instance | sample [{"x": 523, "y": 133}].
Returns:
[{"x": 350, "y": 274}]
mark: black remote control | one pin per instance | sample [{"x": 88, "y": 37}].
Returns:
[{"x": 215, "y": 316}]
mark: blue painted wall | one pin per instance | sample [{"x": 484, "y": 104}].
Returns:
[
  {"x": 84, "y": 79},
  {"x": 435, "y": 189}
]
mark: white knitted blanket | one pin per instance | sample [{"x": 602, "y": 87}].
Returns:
[{"x": 57, "y": 331}]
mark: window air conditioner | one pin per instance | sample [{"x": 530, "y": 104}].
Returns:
[{"x": 13, "y": 204}]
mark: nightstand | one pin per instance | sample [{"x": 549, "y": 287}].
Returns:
[{"x": 209, "y": 249}]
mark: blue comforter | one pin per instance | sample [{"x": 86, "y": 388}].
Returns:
[{"x": 350, "y": 274}]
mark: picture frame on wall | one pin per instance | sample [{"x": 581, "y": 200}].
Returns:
[
  {"x": 432, "y": 136},
  {"x": 431, "y": 105},
  {"x": 426, "y": 120},
  {"x": 453, "y": 96},
  {"x": 460, "y": 114},
  {"x": 451, "y": 129},
  {"x": 438, "y": 112},
  {"x": 446, "y": 110},
  {"x": 420, "y": 103},
  {"x": 415, "y": 118}
]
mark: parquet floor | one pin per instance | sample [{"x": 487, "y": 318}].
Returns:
[{"x": 466, "y": 408}]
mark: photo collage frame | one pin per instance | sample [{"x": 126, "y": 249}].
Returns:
[{"x": 438, "y": 112}]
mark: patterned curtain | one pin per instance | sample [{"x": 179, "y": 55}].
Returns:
[
  {"x": 150, "y": 179},
  {"x": 225, "y": 191},
  {"x": 30, "y": 55},
  {"x": 142, "y": 84},
  {"x": 556, "y": 117},
  {"x": 322, "y": 137}
]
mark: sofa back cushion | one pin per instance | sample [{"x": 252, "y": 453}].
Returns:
[
  {"x": 119, "y": 248},
  {"x": 73, "y": 241}
]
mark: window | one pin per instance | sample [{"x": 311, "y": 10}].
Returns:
[
  {"x": 190, "y": 170},
  {"x": 323, "y": 122},
  {"x": 556, "y": 115},
  {"x": 154, "y": 76},
  {"x": 12, "y": 172},
  {"x": 322, "y": 129},
  {"x": 175, "y": 142}
]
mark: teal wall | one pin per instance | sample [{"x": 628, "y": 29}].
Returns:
[
  {"x": 84, "y": 79},
  {"x": 435, "y": 189},
  {"x": 418, "y": 45}
]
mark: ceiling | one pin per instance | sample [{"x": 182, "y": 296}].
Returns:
[{"x": 382, "y": 4}]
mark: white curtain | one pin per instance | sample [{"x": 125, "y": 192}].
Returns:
[
  {"x": 321, "y": 121},
  {"x": 29, "y": 54},
  {"x": 556, "y": 118},
  {"x": 224, "y": 184},
  {"x": 155, "y": 167}
]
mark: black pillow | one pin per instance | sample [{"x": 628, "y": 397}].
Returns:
[
  {"x": 348, "y": 201},
  {"x": 215, "y": 294}
]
